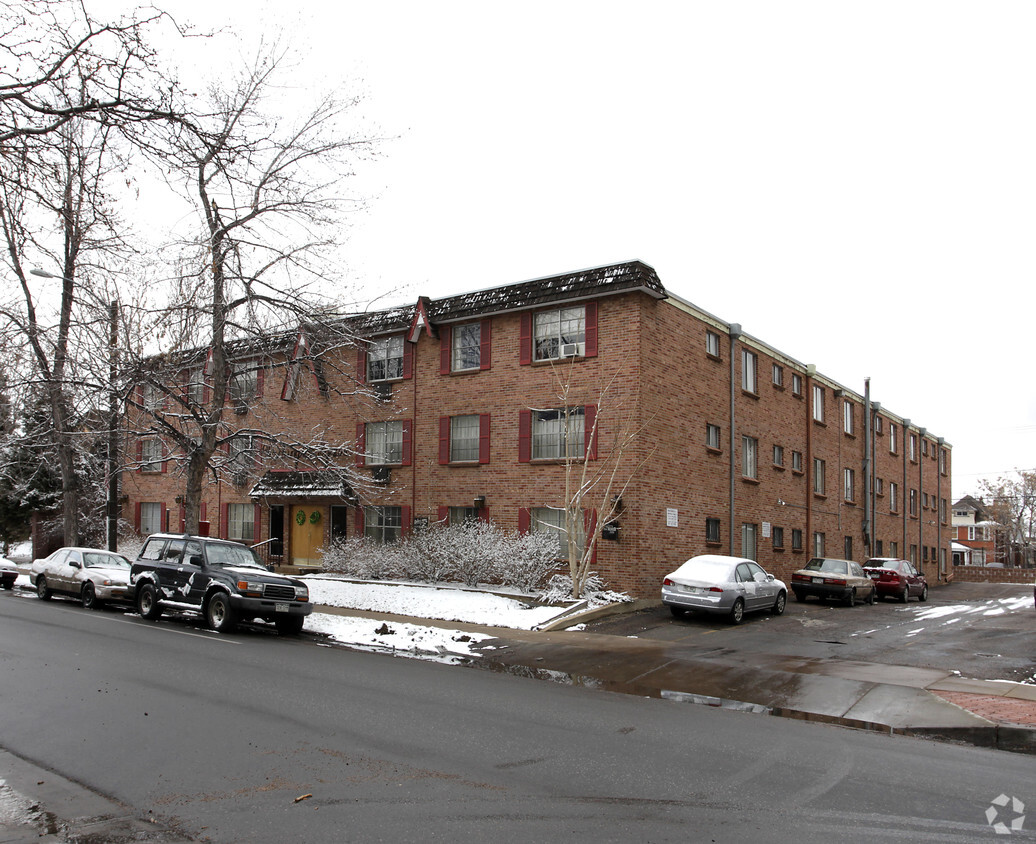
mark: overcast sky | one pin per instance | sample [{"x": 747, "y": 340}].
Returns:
[{"x": 853, "y": 182}]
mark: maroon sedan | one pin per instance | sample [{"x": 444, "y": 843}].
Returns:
[{"x": 897, "y": 579}]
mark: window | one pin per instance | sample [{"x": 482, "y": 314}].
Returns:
[
  {"x": 467, "y": 347},
  {"x": 196, "y": 386},
  {"x": 464, "y": 438},
  {"x": 913, "y": 448},
  {"x": 924, "y": 500},
  {"x": 151, "y": 455},
  {"x": 847, "y": 548},
  {"x": 879, "y": 488},
  {"x": 551, "y": 520},
  {"x": 385, "y": 358},
  {"x": 796, "y": 539},
  {"x": 942, "y": 510},
  {"x": 819, "y": 482},
  {"x": 383, "y": 524},
  {"x": 913, "y": 502},
  {"x": 383, "y": 442},
  {"x": 778, "y": 455},
  {"x": 942, "y": 461},
  {"x": 893, "y": 497},
  {"x": 748, "y": 371},
  {"x": 240, "y": 454},
  {"x": 712, "y": 531},
  {"x": 748, "y": 540},
  {"x": 460, "y": 515},
  {"x": 778, "y": 375},
  {"x": 893, "y": 549},
  {"x": 712, "y": 344},
  {"x": 558, "y": 433},
  {"x": 796, "y": 384},
  {"x": 819, "y": 542},
  {"x": 712, "y": 436},
  {"x": 152, "y": 397},
  {"x": 848, "y": 422},
  {"x": 818, "y": 403},
  {"x": 750, "y": 457},
  {"x": 796, "y": 461},
  {"x": 850, "y": 486},
  {"x": 893, "y": 435},
  {"x": 241, "y": 522},
  {"x": 560, "y": 333},
  {"x": 877, "y": 424},
  {"x": 244, "y": 382},
  {"x": 778, "y": 537},
  {"x": 879, "y": 548},
  {"x": 924, "y": 447},
  {"x": 151, "y": 513}
]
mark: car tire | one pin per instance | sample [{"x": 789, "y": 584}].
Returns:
[
  {"x": 219, "y": 614},
  {"x": 872, "y": 599},
  {"x": 850, "y": 599},
  {"x": 8, "y": 584},
  {"x": 904, "y": 595},
  {"x": 737, "y": 612},
  {"x": 924, "y": 594},
  {"x": 799, "y": 597},
  {"x": 147, "y": 602},
  {"x": 42, "y": 591},
  {"x": 290, "y": 626},
  {"x": 89, "y": 597},
  {"x": 780, "y": 604}
]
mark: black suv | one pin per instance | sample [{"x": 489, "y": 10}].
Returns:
[{"x": 221, "y": 580}]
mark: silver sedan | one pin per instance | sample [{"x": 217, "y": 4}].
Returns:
[
  {"x": 89, "y": 574},
  {"x": 728, "y": 586}
]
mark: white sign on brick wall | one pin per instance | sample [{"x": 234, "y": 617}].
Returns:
[{"x": 672, "y": 517}]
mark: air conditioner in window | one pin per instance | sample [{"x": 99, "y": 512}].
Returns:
[
  {"x": 383, "y": 390},
  {"x": 381, "y": 474},
  {"x": 569, "y": 350}
]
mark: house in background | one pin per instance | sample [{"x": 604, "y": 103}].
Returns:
[
  {"x": 478, "y": 405},
  {"x": 974, "y": 541}
]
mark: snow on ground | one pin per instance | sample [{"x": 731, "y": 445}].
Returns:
[
  {"x": 1000, "y": 606},
  {"x": 436, "y": 643},
  {"x": 440, "y": 602}
]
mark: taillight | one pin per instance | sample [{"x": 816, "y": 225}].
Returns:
[
  {"x": 834, "y": 581},
  {"x": 805, "y": 577},
  {"x": 715, "y": 589},
  {"x": 668, "y": 582}
]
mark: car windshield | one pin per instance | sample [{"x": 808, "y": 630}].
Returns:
[
  {"x": 231, "y": 555},
  {"x": 705, "y": 570},
  {"x": 833, "y": 566},
  {"x": 111, "y": 561}
]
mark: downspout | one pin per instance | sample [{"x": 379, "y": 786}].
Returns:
[
  {"x": 940, "y": 570},
  {"x": 868, "y": 512},
  {"x": 921, "y": 432},
  {"x": 735, "y": 333},
  {"x": 875, "y": 409},
  {"x": 811, "y": 371},
  {"x": 906, "y": 489}
]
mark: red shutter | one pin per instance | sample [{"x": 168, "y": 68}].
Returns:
[
  {"x": 165, "y": 456},
  {"x": 486, "y": 353},
  {"x": 590, "y": 326},
  {"x": 408, "y": 441},
  {"x": 444, "y": 514},
  {"x": 136, "y": 517},
  {"x": 444, "y": 440},
  {"x": 408, "y": 359},
  {"x": 361, "y": 364},
  {"x": 590, "y": 435},
  {"x": 483, "y": 438},
  {"x": 525, "y": 340},
  {"x": 445, "y": 335},
  {"x": 405, "y": 530},
  {"x": 361, "y": 443},
  {"x": 257, "y": 522},
  {"x": 203, "y": 512},
  {"x": 260, "y": 376},
  {"x": 524, "y": 519},
  {"x": 524, "y": 436},
  {"x": 483, "y": 514},
  {"x": 224, "y": 518}
]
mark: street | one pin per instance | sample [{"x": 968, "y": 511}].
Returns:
[{"x": 218, "y": 736}]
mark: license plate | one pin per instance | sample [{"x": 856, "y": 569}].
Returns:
[
  {"x": 281, "y": 607},
  {"x": 818, "y": 580}
]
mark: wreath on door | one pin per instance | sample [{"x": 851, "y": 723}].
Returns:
[
  {"x": 300, "y": 518},
  {"x": 314, "y": 517}
]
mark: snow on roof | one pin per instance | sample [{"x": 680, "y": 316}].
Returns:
[{"x": 313, "y": 484}]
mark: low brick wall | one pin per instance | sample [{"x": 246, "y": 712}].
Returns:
[{"x": 981, "y": 574}]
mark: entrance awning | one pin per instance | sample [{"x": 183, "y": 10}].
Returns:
[{"x": 315, "y": 484}]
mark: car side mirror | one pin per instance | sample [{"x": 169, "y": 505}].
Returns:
[
  {"x": 769, "y": 578},
  {"x": 196, "y": 560},
  {"x": 75, "y": 564}
]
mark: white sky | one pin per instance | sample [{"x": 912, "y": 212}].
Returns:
[{"x": 853, "y": 182}]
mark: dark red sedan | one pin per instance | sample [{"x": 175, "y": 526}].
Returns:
[{"x": 896, "y": 578}]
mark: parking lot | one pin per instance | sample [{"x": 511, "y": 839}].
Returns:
[{"x": 985, "y": 631}]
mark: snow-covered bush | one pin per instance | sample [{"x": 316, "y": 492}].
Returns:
[
  {"x": 531, "y": 559},
  {"x": 426, "y": 557},
  {"x": 595, "y": 591},
  {"x": 362, "y": 558}
]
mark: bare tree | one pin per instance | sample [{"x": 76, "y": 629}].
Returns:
[
  {"x": 1011, "y": 503},
  {"x": 265, "y": 190}
]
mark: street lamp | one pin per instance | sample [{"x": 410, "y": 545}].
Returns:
[{"x": 45, "y": 274}]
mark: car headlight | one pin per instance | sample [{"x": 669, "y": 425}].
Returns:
[
  {"x": 248, "y": 587},
  {"x": 302, "y": 593}
]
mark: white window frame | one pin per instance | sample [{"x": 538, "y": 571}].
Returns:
[
  {"x": 466, "y": 347},
  {"x": 778, "y": 375},
  {"x": 848, "y": 417},
  {"x": 244, "y": 381},
  {"x": 712, "y": 345},
  {"x": 778, "y": 455},
  {"x": 713, "y": 436},
  {"x": 749, "y": 540},
  {"x": 850, "y": 485},
  {"x": 152, "y": 454},
  {"x": 383, "y": 442},
  {"x": 241, "y": 522},
  {"x": 551, "y": 520},
  {"x": 385, "y": 358},
  {"x": 465, "y": 433},
  {"x": 559, "y": 433},
  {"x": 383, "y": 524},
  {"x": 819, "y": 476},
  {"x": 818, "y": 403},
  {"x": 749, "y": 373},
  {"x": 749, "y": 457},
  {"x": 561, "y": 327},
  {"x": 152, "y": 515}
]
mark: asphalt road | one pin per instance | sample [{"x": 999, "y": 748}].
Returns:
[
  {"x": 218, "y": 736},
  {"x": 982, "y": 630}
]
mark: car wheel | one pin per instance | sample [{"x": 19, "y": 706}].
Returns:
[
  {"x": 780, "y": 604},
  {"x": 799, "y": 597},
  {"x": 8, "y": 584},
  {"x": 850, "y": 600},
  {"x": 89, "y": 597},
  {"x": 924, "y": 593},
  {"x": 219, "y": 614},
  {"x": 290, "y": 626},
  {"x": 737, "y": 612},
  {"x": 42, "y": 591},
  {"x": 147, "y": 602},
  {"x": 904, "y": 595},
  {"x": 872, "y": 599}
]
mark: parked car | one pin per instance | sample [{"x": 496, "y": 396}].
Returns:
[
  {"x": 729, "y": 586},
  {"x": 220, "y": 580},
  {"x": 92, "y": 575},
  {"x": 8, "y": 573},
  {"x": 828, "y": 578},
  {"x": 896, "y": 578}
]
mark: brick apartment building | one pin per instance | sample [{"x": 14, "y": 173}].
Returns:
[{"x": 453, "y": 408}]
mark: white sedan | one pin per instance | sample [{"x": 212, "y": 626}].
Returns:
[
  {"x": 89, "y": 574},
  {"x": 728, "y": 586}
]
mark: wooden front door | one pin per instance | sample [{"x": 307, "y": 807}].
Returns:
[{"x": 307, "y": 533}]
